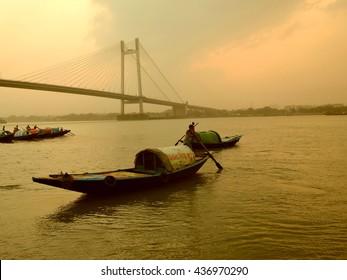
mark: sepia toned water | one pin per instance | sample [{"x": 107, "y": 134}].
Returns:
[{"x": 281, "y": 195}]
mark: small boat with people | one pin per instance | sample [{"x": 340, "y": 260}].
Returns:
[
  {"x": 6, "y": 136},
  {"x": 37, "y": 133},
  {"x": 153, "y": 167},
  {"x": 212, "y": 140},
  {"x": 207, "y": 139}
]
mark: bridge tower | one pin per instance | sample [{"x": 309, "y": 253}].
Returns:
[{"x": 125, "y": 52}]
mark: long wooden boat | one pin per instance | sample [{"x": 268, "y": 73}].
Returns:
[
  {"x": 153, "y": 167},
  {"x": 212, "y": 140},
  {"x": 6, "y": 136},
  {"x": 38, "y": 133},
  {"x": 49, "y": 132}
]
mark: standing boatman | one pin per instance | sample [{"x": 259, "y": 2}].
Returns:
[{"x": 190, "y": 136}]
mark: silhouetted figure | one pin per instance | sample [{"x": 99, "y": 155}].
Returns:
[{"x": 190, "y": 136}]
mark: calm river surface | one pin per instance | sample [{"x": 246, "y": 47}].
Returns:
[{"x": 281, "y": 195}]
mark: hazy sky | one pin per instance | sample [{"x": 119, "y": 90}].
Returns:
[{"x": 226, "y": 54}]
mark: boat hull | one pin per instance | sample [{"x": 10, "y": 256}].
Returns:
[
  {"x": 53, "y": 134},
  {"x": 40, "y": 135},
  {"x": 6, "y": 138},
  {"x": 25, "y": 137},
  {"x": 226, "y": 142},
  {"x": 118, "y": 181}
]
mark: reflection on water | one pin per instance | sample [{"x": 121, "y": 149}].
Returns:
[
  {"x": 9, "y": 187},
  {"x": 98, "y": 205}
]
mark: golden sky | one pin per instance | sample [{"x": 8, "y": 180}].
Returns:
[{"x": 222, "y": 53}]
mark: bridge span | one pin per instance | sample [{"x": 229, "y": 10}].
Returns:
[
  {"x": 129, "y": 99},
  {"x": 35, "y": 82}
]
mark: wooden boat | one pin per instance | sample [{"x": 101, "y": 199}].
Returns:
[
  {"x": 49, "y": 132},
  {"x": 27, "y": 134},
  {"x": 38, "y": 133},
  {"x": 153, "y": 167},
  {"x": 212, "y": 140},
  {"x": 6, "y": 136}
]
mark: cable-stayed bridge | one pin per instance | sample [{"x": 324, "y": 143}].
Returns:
[{"x": 123, "y": 71}]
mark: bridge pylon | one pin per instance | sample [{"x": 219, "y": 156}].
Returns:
[{"x": 125, "y": 52}]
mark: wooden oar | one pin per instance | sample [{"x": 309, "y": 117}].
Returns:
[
  {"x": 180, "y": 140},
  {"x": 211, "y": 156}
]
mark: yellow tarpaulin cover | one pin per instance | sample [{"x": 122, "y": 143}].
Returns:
[{"x": 174, "y": 157}]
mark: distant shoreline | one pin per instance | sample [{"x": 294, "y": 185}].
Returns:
[
  {"x": 337, "y": 109},
  {"x": 35, "y": 120}
]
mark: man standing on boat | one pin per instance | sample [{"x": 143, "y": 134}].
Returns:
[{"x": 190, "y": 136}]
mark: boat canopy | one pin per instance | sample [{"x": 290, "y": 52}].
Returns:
[
  {"x": 26, "y": 132},
  {"x": 209, "y": 137},
  {"x": 49, "y": 130},
  {"x": 164, "y": 159}
]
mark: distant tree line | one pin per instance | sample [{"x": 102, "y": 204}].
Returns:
[
  {"x": 69, "y": 117},
  {"x": 330, "y": 109},
  {"x": 335, "y": 109}
]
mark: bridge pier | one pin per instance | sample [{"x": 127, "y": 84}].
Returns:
[
  {"x": 179, "y": 111},
  {"x": 138, "y": 66}
]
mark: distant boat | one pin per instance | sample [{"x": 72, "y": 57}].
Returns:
[
  {"x": 153, "y": 168},
  {"x": 38, "y": 133},
  {"x": 3, "y": 121},
  {"x": 6, "y": 136},
  {"x": 212, "y": 140}
]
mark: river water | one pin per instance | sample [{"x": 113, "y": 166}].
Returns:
[{"x": 281, "y": 195}]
